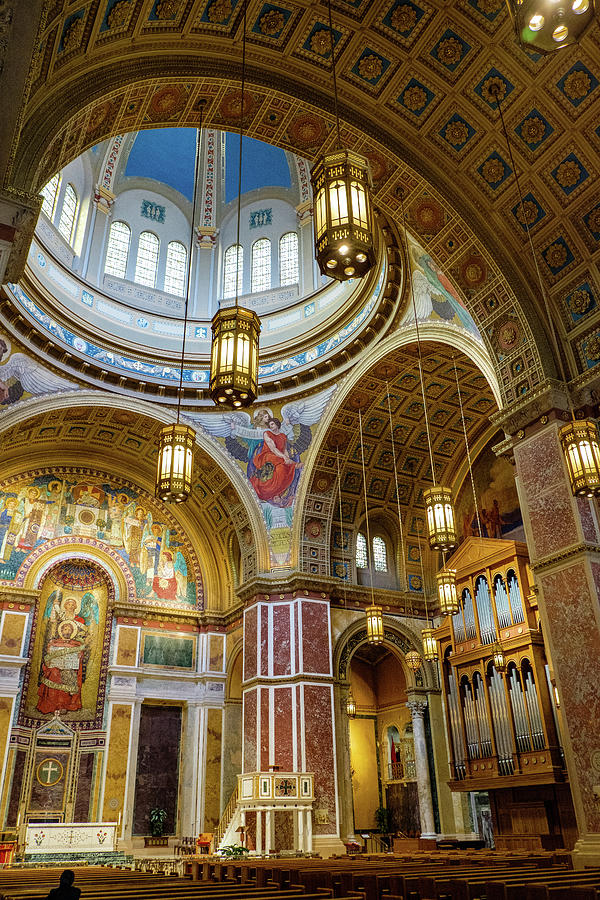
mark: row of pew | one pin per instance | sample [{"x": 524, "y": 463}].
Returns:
[{"x": 456, "y": 875}]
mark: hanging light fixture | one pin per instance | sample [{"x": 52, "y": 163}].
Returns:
[
  {"x": 176, "y": 441},
  {"x": 235, "y": 330},
  {"x": 343, "y": 214},
  {"x": 373, "y": 612},
  {"x": 430, "y": 649},
  {"x": 350, "y": 704},
  {"x": 413, "y": 660},
  {"x": 438, "y": 499},
  {"x": 548, "y": 25},
  {"x": 498, "y": 657},
  {"x": 581, "y": 448},
  {"x": 446, "y": 582},
  {"x": 579, "y": 438}
]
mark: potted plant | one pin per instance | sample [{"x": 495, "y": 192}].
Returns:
[
  {"x": 234, "y": 851},
  {"x": 156, "y": 817}
]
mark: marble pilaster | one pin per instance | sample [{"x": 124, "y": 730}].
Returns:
[{"x": 417, "y": 705}]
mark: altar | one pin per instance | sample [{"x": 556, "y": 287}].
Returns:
[{"x": 73, "y": 837}]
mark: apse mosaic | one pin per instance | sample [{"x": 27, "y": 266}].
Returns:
[
  {"x": 497, "y": 499},
  {"x": 37, "y": 509},
  {"x": 270, "y": 446},
  {"x": 69, "y": 646}
]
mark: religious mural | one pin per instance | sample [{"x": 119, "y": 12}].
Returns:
[
  {"x": 269, "y": 447},
  {"x": 69, "y": 646},
  {"x": 22, "y": 377},
  {"x": 37, "y": 509},
  {"x": 497, "y": 499}
]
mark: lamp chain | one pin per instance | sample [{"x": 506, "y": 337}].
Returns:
[
  {"x": 189, "y": 268},
  {"x": 419, "y": 353},
  {"x": 403, "y": 557},
  {"x": 335, "y": 93},
  {"x": 339, "y": 481},
  {"x": 369, "y": 551},
  {"x": 239, "y": 210},
  {"x": 462, "y": 415},
  {"x": 495, "y": 92},
  {"x": 423, "y": 574}
]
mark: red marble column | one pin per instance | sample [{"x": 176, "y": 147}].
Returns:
[
  {"x": 288, "y": 709},
  {"x": 564, "y": 545}
]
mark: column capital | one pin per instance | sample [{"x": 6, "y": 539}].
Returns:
[{"x": 417, "y": 706}]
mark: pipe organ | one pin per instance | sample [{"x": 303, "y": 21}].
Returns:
[{"x": 500, "y": 704}]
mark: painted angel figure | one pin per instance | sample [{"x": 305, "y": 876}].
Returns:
[{"x": 270, "y": 447}]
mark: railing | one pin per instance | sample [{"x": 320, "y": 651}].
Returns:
[{"x": 225, "y": 819}]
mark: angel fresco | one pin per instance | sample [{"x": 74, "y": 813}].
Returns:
[{"x": 270, "y": 448}]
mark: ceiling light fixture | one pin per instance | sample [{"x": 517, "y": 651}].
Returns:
[
  {"x": 548, "y": 25},
  {"x": 343, "y": 212},
  {"x": 235, "y": 330}
]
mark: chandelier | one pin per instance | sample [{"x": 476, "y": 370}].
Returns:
[
  {"x": 235, "y": 330},
  {"x": 446, "y": 582},
  {"x": 548, "y": 25},
  {"x": 343, "y": 214}
]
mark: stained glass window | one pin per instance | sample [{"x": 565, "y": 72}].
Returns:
[
  {"x": 175, "y": 270},
  {"x": 229, "y": 268},
  {"x": 288, "y": 258},
  {"x": 146, "y": 263},
  {"x": 362, "y": 559},
  {"x": 50, "y": 193},
  {"x": 67, "y": 214},
  {"x": 117, "y": 252},
  {"x": 380, "y": 554},
  {"x": 261, "y": 265}
]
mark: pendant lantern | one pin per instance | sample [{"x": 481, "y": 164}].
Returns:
[
  {"x": 350, "y": 705},
  {"x": 446, "y": 582},
  {"x": 498, "y": 657},
  {"x": 234, "y": 360},
  {"x": 413, "y": 660},
  {"x": 175, "y": 461},
  {"x": 440, "y": 518},
  {"x": 374, "y": 624},
  {"x": 343, "y": 215},
  {"x": 430, "y": 650},
  {"x": 546, "y": 26},
  {"x": 581, "y": 448}
]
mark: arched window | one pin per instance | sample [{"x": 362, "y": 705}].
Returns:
[
  {"x": 229, "y": 271},
  {"x": 146, "y": 263},
  {"x": 175, "y": 269},
  {"x": 261, "y": 265},
  {"x": 50, "y": 193},
  {"x": 67, "y": 214},
  {"x": 117, "y": 252},
  {"x": 288, "y": 258},
  {"x": 362, "y": 558},
  {"x": 380, "y": 554}
]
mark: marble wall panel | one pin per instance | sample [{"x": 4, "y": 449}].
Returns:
[
  {"x": 15, "y": 788},
  {"x": 250, "y": 638},
  {"x": 116, "y": 765},
  {"x": 264, "y": 729},
  {"x": 13, "y": 628},
  {"x": 127, "y": 646},
  {"x": 48, "y": 795},
  {"x": 84, "y": 793},
  {"x": 315, "y": 637},
  {"x": 281, "y": 640},
  {"x": 552, "y": 522},
  {"x": 212, "y": 796},
  {"x": 250, "y": 708},
  {"x": 216, "y": 652},
  {"x": 232, "y": 746},
  {"x": 540, "y": 463},
  {"x": 264, "y": 640},
  {"x": 284, "y": 751},
  {"x": 589, "y": 522},
  {"x": 571, "y": 608},
  {"x": 319, "y": 751}
]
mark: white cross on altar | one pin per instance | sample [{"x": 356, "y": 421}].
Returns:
[{"x": 49, "y": 769}]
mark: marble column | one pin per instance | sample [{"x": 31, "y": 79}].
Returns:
[
  {"x": 417, "y": 706},
  {"x": 190, "y": 770},
  {"x": 563, "y": 538}
]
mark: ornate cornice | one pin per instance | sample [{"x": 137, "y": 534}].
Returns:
[{"x": 548, "y": 562}]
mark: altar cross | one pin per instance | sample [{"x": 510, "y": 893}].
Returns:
[{"x": 49, "y": 769}]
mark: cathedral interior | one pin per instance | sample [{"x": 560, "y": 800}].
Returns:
[{"x": 304, "y": 653}]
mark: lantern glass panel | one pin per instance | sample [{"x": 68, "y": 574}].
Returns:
[
  {"x": 430, "y": 651},
  {"x": 338, "y": 199},
  {"x": 374, "y": 624}
]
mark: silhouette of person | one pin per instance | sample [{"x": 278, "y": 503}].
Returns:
[{"x": 65, "y": 890}]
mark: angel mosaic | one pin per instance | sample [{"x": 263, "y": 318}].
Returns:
[{"x": 270, "y": 447}]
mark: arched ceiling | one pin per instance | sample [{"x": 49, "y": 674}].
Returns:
[
  {"x": 414, "y": 82},
  {"x": 124, "y": 442},
  {"x": 398, "y": 372}
]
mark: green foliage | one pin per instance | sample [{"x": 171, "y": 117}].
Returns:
[
  {"x": 157, "y": 818},
  {"x": 234, "y": 851}
]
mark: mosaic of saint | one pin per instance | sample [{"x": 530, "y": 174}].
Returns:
[
  {"x": 70, "y": 644},
  {"x": 47, "y": 507}
]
